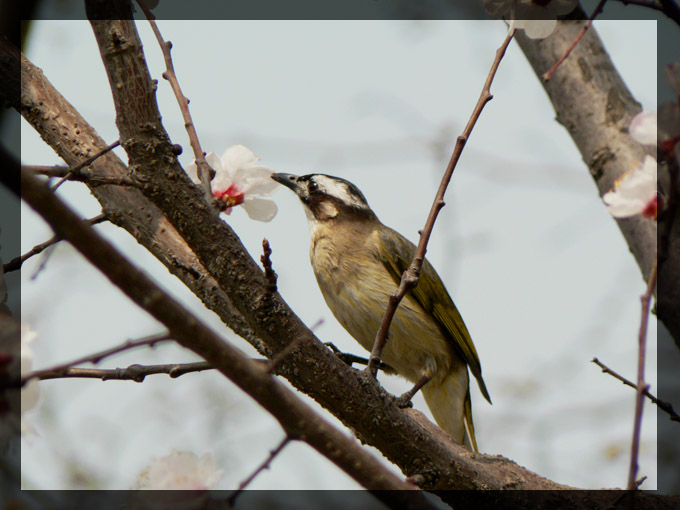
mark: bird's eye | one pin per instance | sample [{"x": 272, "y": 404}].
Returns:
[{"x": 312, "y": 186}]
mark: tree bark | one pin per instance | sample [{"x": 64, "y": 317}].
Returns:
[{"x": 595, "y": 106}]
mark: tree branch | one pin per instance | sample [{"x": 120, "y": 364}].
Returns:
[
  {"x": 203, "y": 169},
  {"x": 667, "y": 7},
  {"x": 662, "y": 404},
  {"x": 95, "y": 358},
  {"x": 641, "y": 385},
  {"x": 134, "y": 372},
  {"x": 596, "y": 12},
  {"x": 593, "y": 103},
  {"x": 74, "y": 172},
  {"x": 409, "y": 279},
  {"x": 16, "y": 263},
  {"x": 265, "y": 465}
]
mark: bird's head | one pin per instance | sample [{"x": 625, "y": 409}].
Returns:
[{"x": 327, "y": 198}]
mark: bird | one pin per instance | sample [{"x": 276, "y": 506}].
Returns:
[{"x": 358, "y": 263}]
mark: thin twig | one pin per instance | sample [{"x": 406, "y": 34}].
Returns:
[
  {"x": 265, "y": 465},
  {"x": 641, "y": 386},
  {"x": 547, "y": 76},
  {"x": 16, "y": 263},
  {"x": 97, "y": 357},
  {"x": 43, "y": 261},
  {"x": 88, "y": 161},
  {"x": 662, "y": 404},
  {"x": 203, "y": 169},
  {"x": 46, "y": 170},
  {"x": 655, "y": 5},
  {"x": 134, "y": 372},
  {"x": 410, "y": 277},
  {"x": 269, "y": 272},
  {"x": 667, "y": 7}
]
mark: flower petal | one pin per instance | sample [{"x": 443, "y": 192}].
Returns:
[
  {"x": 634, "y": 192},
  {"x": 538, "y": 28},
  {"x": 192, "y": 171},
  {"x": 236, "y": 159},
  {"x": 260, "y": 209},
  {"x": 643, "y": 128},
  {"x": 192, "y": 168},
  {"x": 258, "y": 181}
]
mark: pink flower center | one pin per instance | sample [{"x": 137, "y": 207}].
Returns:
[
  {"x": 651, "y": 209},
  {"x": 231, "y": 196}
]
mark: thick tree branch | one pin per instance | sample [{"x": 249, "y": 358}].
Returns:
[
  {"x": 297, "y": 418},
  {"x": 593, "y": 103},
  {"x": 203, "y": 169}
]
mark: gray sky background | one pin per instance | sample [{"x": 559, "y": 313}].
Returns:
[{"x": 535, "y": 264}]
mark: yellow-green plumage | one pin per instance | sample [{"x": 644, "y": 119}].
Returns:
[{"x": 358, "y": 263}]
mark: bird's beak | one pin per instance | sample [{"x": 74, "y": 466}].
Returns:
[{"x": 289, "y": 181}]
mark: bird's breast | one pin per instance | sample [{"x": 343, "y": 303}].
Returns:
[{"x": 356, "y": 287}]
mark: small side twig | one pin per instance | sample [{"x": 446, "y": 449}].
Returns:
[
  {"x": 662, "y": 404},
  {"x": 74, "y": 170},
  {"x": 547, "y": 76},
  {"x": 70, "y": 175},
  {"x": 641, "y": 386},
  {"x": 16, "y": 263},
  {"x": 134, "y": 372},
  {"x": 99, "y": 356},
  {"x": 265, "y": 465},
  {"x": 269, "y": 272},
  {"x": 46, "y": 170},
  {"x": 205, "y": 173},
  {"x": 409, "y": 279},
  {"x": 43, "y": 261},
  {"x": 669, "y": 8}
]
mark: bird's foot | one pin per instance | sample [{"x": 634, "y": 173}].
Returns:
[{"x": 404, "y": 401}]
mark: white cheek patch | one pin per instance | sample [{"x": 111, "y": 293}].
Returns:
[
  {"x": 339, "y": 190},
  {"x": 329, "y": 210}
]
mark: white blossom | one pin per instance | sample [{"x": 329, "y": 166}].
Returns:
[
  {"x": 240, "y": 180},
  {"x": 643, "y": 128},
  {"x": 538, "y": 18},
  {"x": 635, "y": 193},
  {"x": 180, "y": 471}
]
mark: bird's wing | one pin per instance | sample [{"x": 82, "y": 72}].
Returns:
[{"x": 396, "y": 254}]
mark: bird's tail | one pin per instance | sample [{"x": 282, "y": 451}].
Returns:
[{"x": 449, "y": 402}]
